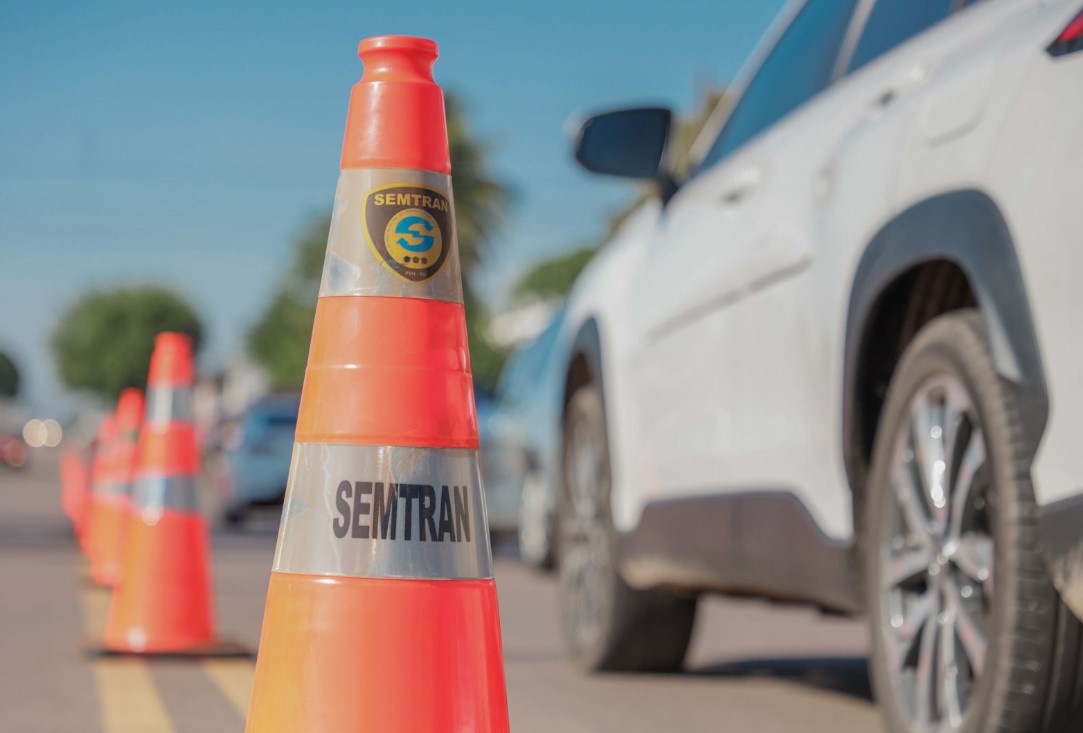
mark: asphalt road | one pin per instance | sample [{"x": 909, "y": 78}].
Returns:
[{"x": 753, "y": 666}]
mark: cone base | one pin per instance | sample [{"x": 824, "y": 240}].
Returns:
[
  {"x": 221, "y": 649},
  {"x": 366, "y": 654}
]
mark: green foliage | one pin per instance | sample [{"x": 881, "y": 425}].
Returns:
[
  {"x": 104, "y": 339},
  {"x": 9, "y": 376},
  {"x": 486, "y": 358},
  {"x": 279, "y": 340},
  {"x": 480, "y": 198},
  {"x": 553, "y": 278}
]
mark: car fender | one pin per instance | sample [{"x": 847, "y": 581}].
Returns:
[{"x": 965, "y": 227}]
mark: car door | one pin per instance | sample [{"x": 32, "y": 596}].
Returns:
[
  {"x": 723, "y": 328},
  {"x": 736, "y": 354}
]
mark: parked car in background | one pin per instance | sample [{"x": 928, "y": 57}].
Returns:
[
  {"x": 13, "y": 450},
  {"x": 257, "y": 455},
  {"x": 839, "y": 361},
  {"x": 521, "y": 449},
  {"x": 496, "y": 463}
]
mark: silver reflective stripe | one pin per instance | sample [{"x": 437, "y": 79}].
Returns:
[
  {"x": 384, "y": 512},
  {"x": 112, "y": 488},
  {"x": 167, "y": 404},
  {"x": 353, "y": 266},
  {"x": 177, "y": 493}
]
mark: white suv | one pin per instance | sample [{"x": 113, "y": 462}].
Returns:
[{"x": 840, "y": 363}]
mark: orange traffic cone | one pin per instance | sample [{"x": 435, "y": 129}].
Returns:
[
  {"x": 99, "y": 476},
  {"x": 163, "y": 602},
  {"x": 112, "y": 501},
  {"x": 381, "y": 612},
  {"x": 75, "y": 489}
]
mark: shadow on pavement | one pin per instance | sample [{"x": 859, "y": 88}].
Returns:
[{"x": 845, "y": 675}]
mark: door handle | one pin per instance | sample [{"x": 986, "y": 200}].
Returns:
[
  {"x": 913, "y": 76},
  {"x": 885, "y": 99},
  {"x": 743, "y": 183}
]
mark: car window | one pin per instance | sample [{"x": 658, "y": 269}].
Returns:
[
  {"x": 892, "y": 22},
  {"x": 798, "y": 67}
]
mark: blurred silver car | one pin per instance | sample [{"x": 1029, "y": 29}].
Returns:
[
  {"x": 521, "y": 445},
  {"x": 258, "y": 454}
]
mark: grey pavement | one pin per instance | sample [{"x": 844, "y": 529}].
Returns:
[{"x": 753, "y": 666}]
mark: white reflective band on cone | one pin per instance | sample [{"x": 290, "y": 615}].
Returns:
[
  {"x": 111, "y": 488},
  {"x": 384, "y": 512},
  {"x": 352, "y": 267},
  {"x": 154, "y": 491},
  {"x": 166, "y": 404}
]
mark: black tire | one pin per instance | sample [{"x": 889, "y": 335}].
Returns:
[
  {"x": 629, "y": 630},
  {"x": 1030, "y": 678}
]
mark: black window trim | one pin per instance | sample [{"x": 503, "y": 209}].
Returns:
[
  {"x": 861, "y": 17},
  {"x": 705, "y": 142}
]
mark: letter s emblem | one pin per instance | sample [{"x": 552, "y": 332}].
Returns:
[{"x": 414, "y": 237}]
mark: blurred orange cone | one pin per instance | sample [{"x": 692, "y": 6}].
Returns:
[
  {"x": 381, "y": 612},
  {"x": 163, "y": 602},
  {"x": 100, "y": 463},
  {"x": 112, "y": 498},
  {"x": 75, "y": 489}
]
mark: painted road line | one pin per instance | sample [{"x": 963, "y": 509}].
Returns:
[
  {"x": 234, "y": 678},
  {"x": 130, "y": 702},
  {"x": 129, "y": 699}
]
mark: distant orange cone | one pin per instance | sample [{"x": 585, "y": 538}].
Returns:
[
  {"x": 100, "y": 465},
  {"x": 101, "y": 488},
  {"x": 163, "y": 602},
  {"x": 112, "y": 500},
  {"x": 75, "y": 489},
  {"x": 381, "y": 612}
]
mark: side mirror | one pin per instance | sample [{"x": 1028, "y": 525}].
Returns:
[{"x": 629, "y": 143}]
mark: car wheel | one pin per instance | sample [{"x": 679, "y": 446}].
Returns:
[
  {"x": 235, "y": 516},
  {"x": 607, "y": 624},
  {"x": 535, "y": 522},
  {"x": 967, "y": 631}
]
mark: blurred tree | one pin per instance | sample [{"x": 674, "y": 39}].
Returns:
[
  {"x": 486, "y": 358},
  {"x": 480, "y": 198},
  {"x": 9, "y": 376},
  {"x": 104, "y": 339},
  {"x": 278, "y": 341},
  {"x": 552, "y": 278}
]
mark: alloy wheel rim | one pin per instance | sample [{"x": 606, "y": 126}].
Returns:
[
  {"x": 585, "y": 552},
  {"x": 936, "y": 569},
  {"x": 534, "y": 518}
]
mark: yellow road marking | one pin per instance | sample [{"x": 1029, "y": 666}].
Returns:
[
  {"x": 130, "y": 702},
  {"x": 129, "y": 699},
  {"x": 234, "y": 679}
]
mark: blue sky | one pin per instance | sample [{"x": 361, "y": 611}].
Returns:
[{"x": 188, "y": 143}]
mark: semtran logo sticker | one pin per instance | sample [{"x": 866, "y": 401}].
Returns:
[{"x": 406, "y": 225}]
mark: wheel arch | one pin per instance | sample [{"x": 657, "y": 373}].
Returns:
[
  {"x": 585, "y": 362},
  {"x": 953, "y": 250}
]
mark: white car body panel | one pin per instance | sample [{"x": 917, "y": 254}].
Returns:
[{"x": 723, "y": 316}]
